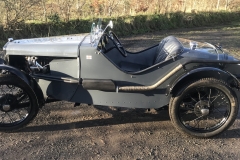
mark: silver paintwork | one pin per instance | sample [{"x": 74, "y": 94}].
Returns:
[
  {"x": 61, "y": 46},
  {"x": 65, "y": 67}
]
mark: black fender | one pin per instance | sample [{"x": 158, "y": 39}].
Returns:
[
  {"x": 199, "y": 73},
  {"x": 27, "y": 79},
  {"x": 2, "y": 61},
  {"x": 15, "y": 71}
]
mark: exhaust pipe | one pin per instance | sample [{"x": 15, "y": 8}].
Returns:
[{"x": 154, "y": 86}]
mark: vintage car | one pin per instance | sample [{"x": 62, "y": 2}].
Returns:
[{"x": 197, "y": 82}]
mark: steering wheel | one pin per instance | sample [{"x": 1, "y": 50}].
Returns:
[{"x": 118, "y": 43}]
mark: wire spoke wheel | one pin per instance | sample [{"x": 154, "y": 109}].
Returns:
[
  {"x": 205, "y": 108},
  {"x": 18, "y": 104},
  {"x": 209, "y": 112},
  {"x": 11, "y": 97}
]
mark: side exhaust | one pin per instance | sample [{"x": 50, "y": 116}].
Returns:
[{"x": 154, "y": 86}]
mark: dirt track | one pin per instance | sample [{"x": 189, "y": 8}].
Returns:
[{"x": 61, "y": 131}]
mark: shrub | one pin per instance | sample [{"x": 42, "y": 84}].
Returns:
[{"x": 126, "y": 25}]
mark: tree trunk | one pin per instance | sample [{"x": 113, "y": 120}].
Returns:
[
  {"x": 77, "y": 5},
  {"x": 44, "y": 11},
  {"x": 218, "y": 2},
  {"x": 226, "y": 4}
]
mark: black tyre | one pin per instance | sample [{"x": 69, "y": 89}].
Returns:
[
  {"x": 204, "y": 108},
  {"x": 18, "y": 103}
]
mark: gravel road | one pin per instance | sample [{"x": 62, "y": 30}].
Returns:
[{"x": 61, "y": 131}]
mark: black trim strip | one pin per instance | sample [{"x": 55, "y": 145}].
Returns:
[
  {"x": 185, "y": 62},
  {"x": 99, "y": 84},
  {"x": 54, "y": 78},
  {"x": 139, "y": 52}
]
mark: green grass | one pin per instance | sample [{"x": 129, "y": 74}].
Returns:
[{"x": 126, "y": 25}]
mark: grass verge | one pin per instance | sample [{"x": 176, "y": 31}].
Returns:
[{"x": 126, "y": 25}]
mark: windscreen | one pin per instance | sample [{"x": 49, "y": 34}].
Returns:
[{"x": 194, "y": 45}]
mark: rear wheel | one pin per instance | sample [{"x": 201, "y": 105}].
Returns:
[
  {"x": 205, "y": 108},
  {"x": 18, "y": 103}
]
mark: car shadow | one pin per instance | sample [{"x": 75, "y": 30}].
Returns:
[
  {"x": 230, "y": 133},
  {"x": 119, "y": 116}
]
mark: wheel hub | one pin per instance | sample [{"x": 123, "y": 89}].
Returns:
[
  {"x": 7, "y": 102},
  {"x": 6, "y": 107},
  {"x": 202, "y": 108}
]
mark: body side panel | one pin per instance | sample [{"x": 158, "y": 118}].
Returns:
[
  {"x": 151, "y": 99},
  {"x": 57, "y": 90},
  {"x": 65, "y": 67},
  {"x": 97, "y": 66}
]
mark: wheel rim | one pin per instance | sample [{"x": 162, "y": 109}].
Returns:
[
  {"x": 15, "y": 105},
  {"x": 204, "y": 109}
]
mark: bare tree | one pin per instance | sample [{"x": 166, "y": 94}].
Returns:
[
  {"x": 218, "y": 2},
  {"x": 105, "y": 7},
  {"x": 2, "y": 10},
  {"x": 43, "y": 4},
  {"x": 79, "y": 7},
  {"x": 17, "y": 11},
  {"x": 226, "y": 4},
  {"x": 65, "y": 7}
]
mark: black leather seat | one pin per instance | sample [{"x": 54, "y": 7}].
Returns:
[
  {"x": 168, "y": 47},
  {"x": 131, "y": 67}
]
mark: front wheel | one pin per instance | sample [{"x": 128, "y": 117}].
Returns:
[
  {"x": 204, "y": 108},
  {"x": 18, "y": 103}
]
